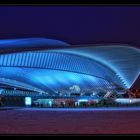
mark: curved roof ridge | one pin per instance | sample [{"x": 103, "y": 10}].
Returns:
[
  {"x": 10, "y": 45},
  {"x": 123, "y": 59}
]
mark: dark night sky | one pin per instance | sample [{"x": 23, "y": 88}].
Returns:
[{"x": 73, "y": 24}]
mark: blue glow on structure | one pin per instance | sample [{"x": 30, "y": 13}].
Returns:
[
  {"x": 28, "y": 101},
  {"x": 122, "y": 59},
  {"x": 51, "y": 70},
  {"x": 55, "y": 79}
]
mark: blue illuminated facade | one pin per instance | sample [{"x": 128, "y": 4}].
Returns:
[{"x": 47, "y": 65}]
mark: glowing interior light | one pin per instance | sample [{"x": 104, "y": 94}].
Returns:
[
  {"x": 122, "y": 101},
  {"x": 127, "y": 101},
  {"x": 28, "y": 101},
  {"x": 50, "y": 103},
  {"x": 82, "y": 100}
]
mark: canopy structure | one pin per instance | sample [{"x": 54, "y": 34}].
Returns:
[{"x": 47, "y": 65}]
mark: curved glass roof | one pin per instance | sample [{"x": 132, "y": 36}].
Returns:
[
  {"x": 55, "y": 65},
  {"x": 11, "y": 45},
  {"x": 123, "y": 59}
]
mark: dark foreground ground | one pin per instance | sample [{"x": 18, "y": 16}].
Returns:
[{"x": 70, "y": 121}]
